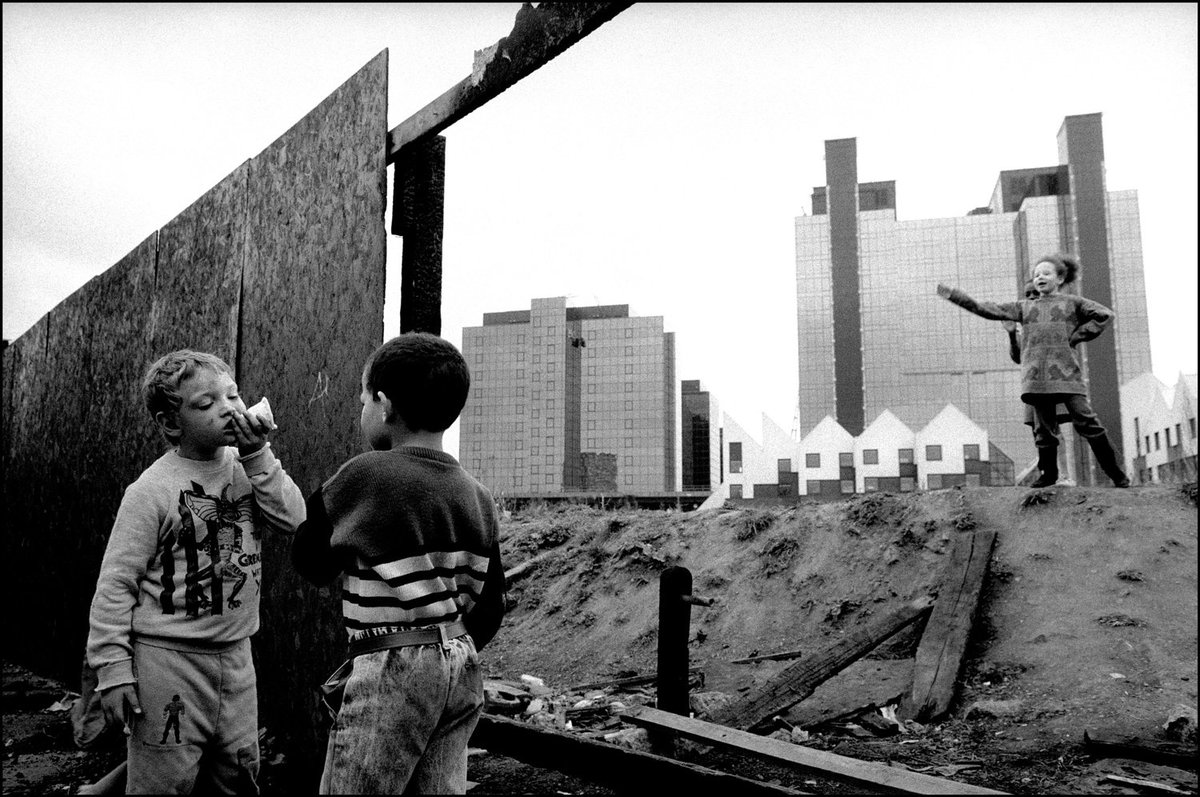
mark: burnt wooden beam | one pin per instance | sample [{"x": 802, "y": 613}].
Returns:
[
  {"x": 620, "y": 768},
  {"x": 538, "y": 35},
  {"x": 418, "y": 203},
  {"x": 1098, "y": 745},
  {"x": 816, "y": 762},
  {"x": 799, "y": 680},
  {"x": 944, "y": 639}
]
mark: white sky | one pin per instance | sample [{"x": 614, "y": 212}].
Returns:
[{"x": 658, "y": 163}]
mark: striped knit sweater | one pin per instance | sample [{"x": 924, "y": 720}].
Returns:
[{"x": 415, "y": 539}]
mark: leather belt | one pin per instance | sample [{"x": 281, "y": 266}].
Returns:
[{"x": 415, "y": 636}]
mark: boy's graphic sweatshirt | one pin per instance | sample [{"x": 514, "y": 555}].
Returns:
[
  {"x": 184, "y": 560},
  {"x": 1051, "y": 327}
]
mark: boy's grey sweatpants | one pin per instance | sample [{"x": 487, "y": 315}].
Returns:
[{"x": 199, "y": 726}]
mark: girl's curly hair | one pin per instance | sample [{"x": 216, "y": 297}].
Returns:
[{"x": 1066, "y": 265}]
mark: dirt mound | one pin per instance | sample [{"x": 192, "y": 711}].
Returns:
[{"x": 1087, "y": 619}]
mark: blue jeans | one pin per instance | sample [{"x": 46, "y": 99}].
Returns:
[{"x": 405, "y": 721}]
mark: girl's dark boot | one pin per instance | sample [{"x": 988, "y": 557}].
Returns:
[
  {"x": 1048, "y": 465},
  {"x": 1106, "y": 458}
]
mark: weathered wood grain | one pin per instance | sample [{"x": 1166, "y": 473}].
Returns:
[
  {"x": 198, "y": 278},
  {"x": 312, "y": 311},
  {"x": 819, "y": 762},
  {"x": 944, "y": 640},
  {"x": 623, "y": 769},
  {"x": 797, "y": 681}
]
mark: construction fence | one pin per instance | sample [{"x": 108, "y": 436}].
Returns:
[{"x": 278, "y": 269}]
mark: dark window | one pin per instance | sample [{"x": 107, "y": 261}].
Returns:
[
  {"x": 735, "y": 491},
  {"x": 847, "y": 487},
  {"x": 1178, "y": 434},
  {"x": 1156, "y": 442},
  {"x": 870, "y": 484},
  {"x": 971, "y": 452},
  {"x": 974, "y": 480},
  {"x": 1147, "y": 444},
  {"x": 933, "y": 453},
  {"x": 846, "y": 460},
  {"x": 812, "y": 487},
  {"x": 785, "y": 466},
  {"x": 935, "y": 481},
  {"x": 1192, "y": 427},
  {"x": 907, "y": 483},
  {"x": 735, "y": 457},
  {"x": 906, "y": 456},
  {"x": 870, "y": 456},
  {"x": 812, "y": 460}
]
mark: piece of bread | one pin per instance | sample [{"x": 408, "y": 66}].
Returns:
[{"x": 262, "y": 410}]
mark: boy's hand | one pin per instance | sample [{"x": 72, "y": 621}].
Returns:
[
  {"x": 251, "y": 431},
  {"x": 120, "y": 706},
  {"x": 943, "y": 291}
]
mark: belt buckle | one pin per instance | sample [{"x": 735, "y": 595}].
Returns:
[{"x": 445, "y": 640}]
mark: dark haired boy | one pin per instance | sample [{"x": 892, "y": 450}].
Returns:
[{"x": 416, "y": 541}]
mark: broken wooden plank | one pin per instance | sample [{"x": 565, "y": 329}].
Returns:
[
  {"x": 816, "y": 762},
  {"x": 1144, "y": 785},
  {"x": 621, "y": 768},
  {"x": 798, "y": 680},
  {"x": 944, "y": 640},
  {"x": 787, "y": 654},
  {"x": 538, "y": 35},
  {"x": 1106, "y": 746}
]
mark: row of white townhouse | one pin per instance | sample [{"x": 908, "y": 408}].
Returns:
[
  {"x": 829, "y": 462},
  {"x": 1159, "y": 429}
]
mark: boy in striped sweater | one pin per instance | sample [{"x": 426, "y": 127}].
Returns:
[{"x": 415, "y": 539}]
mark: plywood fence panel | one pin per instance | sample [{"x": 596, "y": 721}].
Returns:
[
  {"x": 121, "y": 439},
  {"x": 198, "y": 281},
  {"x": 53, "y": 496},
  {"x": 26, "y": 497},
  {"x": 279, "y": 269},
  {"x": 78, "y": 436},
  {"x": 312, "y": 312}
]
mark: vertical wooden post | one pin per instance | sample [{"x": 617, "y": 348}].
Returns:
[
  {"x": 674, "y": 628},
  {"x": 418, "y": 200}
]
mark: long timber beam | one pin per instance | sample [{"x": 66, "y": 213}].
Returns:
[{"x": 538, "y": 35}]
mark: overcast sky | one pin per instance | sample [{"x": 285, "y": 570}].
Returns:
[{"x": 659, "y": 163}]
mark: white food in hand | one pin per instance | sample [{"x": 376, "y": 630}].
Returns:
[{"x": 262, "y": 410}]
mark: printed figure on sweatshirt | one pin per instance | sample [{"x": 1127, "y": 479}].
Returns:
[
  {"x": 1014, "y": 354},
  {"x": 1051, "y": 373},
  {"x": 178, "y": 592},
  {"x": 415, "y": 539}
]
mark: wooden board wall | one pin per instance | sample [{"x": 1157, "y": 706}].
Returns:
[
  {"x": 312, "y": 312},
  {"x": 279, "y": 269}
]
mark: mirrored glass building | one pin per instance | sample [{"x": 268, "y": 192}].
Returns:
[{"x": 874, "y": 336}]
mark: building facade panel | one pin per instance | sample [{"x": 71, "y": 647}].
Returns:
[{"x": 570, "y": 399}]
